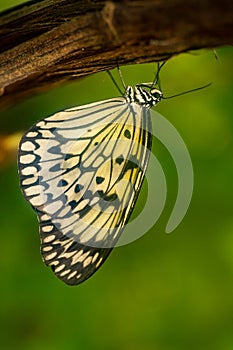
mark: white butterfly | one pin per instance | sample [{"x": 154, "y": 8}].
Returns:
[{"x": 81, "y": 170}]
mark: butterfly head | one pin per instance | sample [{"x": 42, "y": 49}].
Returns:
[
  {"x": 156, "y": 96},
  {"x": 143, "y": 94}
]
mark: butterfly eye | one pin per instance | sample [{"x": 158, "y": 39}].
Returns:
[{"x": 156, "y": 94}]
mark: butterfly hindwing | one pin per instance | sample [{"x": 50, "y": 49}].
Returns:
[
  {"x": 81, "y": 170},
  {"x": 71, "y": 261}
]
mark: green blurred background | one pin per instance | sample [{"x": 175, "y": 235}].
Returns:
[{"x": 164, "y": 291}]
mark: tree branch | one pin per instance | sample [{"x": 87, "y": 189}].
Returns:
[{"x": 46, "y": 42}]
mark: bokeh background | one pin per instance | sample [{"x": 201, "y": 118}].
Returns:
[{"x": 162, "y": 292}]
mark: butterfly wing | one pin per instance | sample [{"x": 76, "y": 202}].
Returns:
[{"x": 81, "y": 170}]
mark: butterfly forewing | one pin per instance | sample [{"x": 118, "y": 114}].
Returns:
[{"x": 81, "y": 170}]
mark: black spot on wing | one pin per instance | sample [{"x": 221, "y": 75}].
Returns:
[
  {"x": 127, "y": 134},
  {"x": 73, "y": 204},
  {"x": 78, "y": 188},
  {"x": 120, "y": 159},
  {"x": 99, "y": 179},
  {"x": 55, "y": 168},
  {"x": 54, "y": 149},
  {"x": 107, "y": 197},
  {"x": 62, "y": 183}
]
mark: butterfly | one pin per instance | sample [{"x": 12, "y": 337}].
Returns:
[{"x": 81, "y": 170}]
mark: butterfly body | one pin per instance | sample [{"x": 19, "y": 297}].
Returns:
[{"x": 81, "y": 170}]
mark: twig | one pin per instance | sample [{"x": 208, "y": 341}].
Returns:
[{"x": 46, "y": 42}]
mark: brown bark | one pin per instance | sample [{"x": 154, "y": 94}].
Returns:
[{"x": 46, "y": 42}]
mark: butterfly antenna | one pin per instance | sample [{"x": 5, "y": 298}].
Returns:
[
  {"x": 215, "y": 54},
  {"x": 115, "y": 83},
  {"x": 186, "y": 92},
  {"x": 121, "y": 76},
  {"x": 156, "y": 80}
]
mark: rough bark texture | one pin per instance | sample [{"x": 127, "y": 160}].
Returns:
[{"x": 46, "y": 42}]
